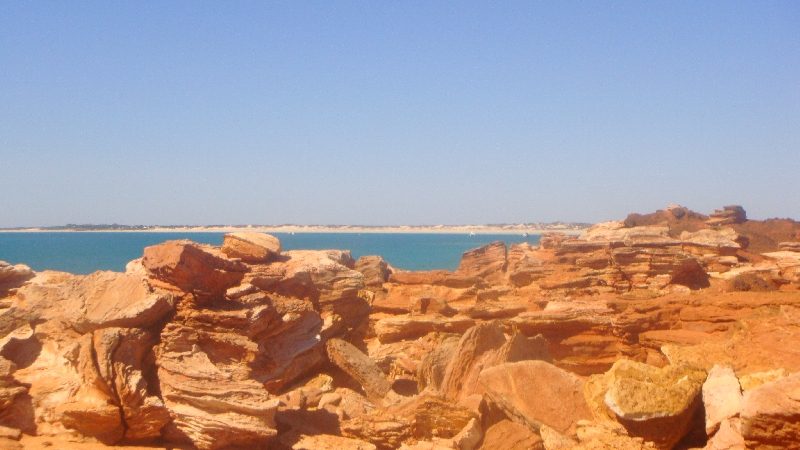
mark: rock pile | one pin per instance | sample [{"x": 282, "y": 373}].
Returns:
[{"x": 636, "y": 335}]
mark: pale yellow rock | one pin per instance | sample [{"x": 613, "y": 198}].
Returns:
[
  {"x": 656, "y": 404},
  {"x": 755, "y": 380}
]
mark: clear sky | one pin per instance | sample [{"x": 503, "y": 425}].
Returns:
[{"x": 384, "y": 113}]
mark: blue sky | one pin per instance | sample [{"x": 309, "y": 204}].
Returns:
[{"x": 395, "y": 112}]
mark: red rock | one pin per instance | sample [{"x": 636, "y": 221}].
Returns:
[
  {"x": 727, "y": 216},
  {"x": 771, "y": 414},
  {"x": 210, "y": 407},
  {"x": 488, "y": 263},
  {"x": 393, "y": 329},
  {"x": 298, "y": 441},
  {"x": 12, "y": 277},
  {"x": 430, "y": 305},
  {"x": 435, "y": 418},
  {"x": 323, "y": 277},
  {"x": 477, "y": 347},
  {"x": 360, "y": 367},
  {"x": 728, "y": 437},
  {"x": 193, "y": 268},
  {"x": 375, "y": 270},
  {"x": 251, "y": 247},
  {"x": 536, "y": 393},
  {"x": 92, "y": 409},
  {"x": 386, "y": 433},
  {"x": 524, "y": 265},
  {"x": 507, "y": 435},
  {"x": 121, "y": 360},
  {"x": 436, "y": 278}
]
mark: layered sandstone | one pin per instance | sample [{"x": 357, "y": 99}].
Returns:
[{"x": 668, "y": 330}]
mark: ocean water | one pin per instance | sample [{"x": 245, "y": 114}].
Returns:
[{"x": 83, "y": 253}]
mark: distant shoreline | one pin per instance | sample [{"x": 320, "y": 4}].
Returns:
[{"x": 407, "y": 229}]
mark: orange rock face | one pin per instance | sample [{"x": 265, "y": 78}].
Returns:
[{"x": 536, "y": 393}]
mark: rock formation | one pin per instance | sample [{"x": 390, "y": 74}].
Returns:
[{"x": 667, "y": 330}]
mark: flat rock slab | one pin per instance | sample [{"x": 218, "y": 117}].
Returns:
[
  {"x": 251, "y": 247},
  {"x": 536, "y": 393}
]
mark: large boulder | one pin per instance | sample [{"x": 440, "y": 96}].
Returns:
[
  {"x": 536, "y": 393},
  {"x": 251, "y": 247},
  {"x": 193, "y": 268},
  {"x": 771, "y": 414},
  {"x": 656, "y": 404}
]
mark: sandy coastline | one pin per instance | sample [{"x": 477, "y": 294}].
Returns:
[{"x": 436, "y": 229}]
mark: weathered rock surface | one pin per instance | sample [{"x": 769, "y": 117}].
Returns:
[
  {"x": 722, "y": 397},
  {"x": 193, "y": 268},
  {"x": 488, "y": 263},
  {"x": 251, "y": 247},
  {"x": 656, "y": 404},
  {"x": 13, "y": 276},
  {"x": 508, "y": 435},
  {"x": 360, "y": 367},
  {"x": 771, "y": 414},
  {"x": 375, "y": 269},
  {"x": 536, "y": 393},
  {"x": 727, "y": 216}
]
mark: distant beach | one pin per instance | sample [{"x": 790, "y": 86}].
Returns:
[{"x": 404, "y": 229}]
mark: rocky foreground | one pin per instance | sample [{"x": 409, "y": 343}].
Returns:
[{"x": 668, "y": 330}]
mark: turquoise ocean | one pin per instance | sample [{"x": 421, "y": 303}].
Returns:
[{"x": 86, "y": 252}]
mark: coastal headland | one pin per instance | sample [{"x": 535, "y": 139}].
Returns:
[{"x": 669, "y": 330}]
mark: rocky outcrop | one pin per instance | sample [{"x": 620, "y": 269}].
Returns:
[
  {"x": 198, "y": 269},
  {"x": 729, "y": 215},
  {"x": 248, "y": 346}
]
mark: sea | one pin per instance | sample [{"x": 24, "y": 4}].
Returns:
[{"x": 87, "y": 252}]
